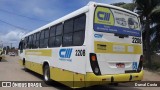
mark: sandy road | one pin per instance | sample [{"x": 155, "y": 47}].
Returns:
[{"x": 10, "y": 70}]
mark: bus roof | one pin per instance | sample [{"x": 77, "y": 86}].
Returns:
[
  {"x": 115, "y": 7},
  {"x": 77, "y": 12}
]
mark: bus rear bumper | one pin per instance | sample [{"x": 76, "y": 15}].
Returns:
[{"x": 92, "y": 79}]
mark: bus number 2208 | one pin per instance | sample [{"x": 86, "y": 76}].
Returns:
[{"x": 80, "y": 52}]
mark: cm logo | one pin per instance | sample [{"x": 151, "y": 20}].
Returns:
[
  {"x": 98, "y": 35},
  {"x": 103, "y": 16},
  {"x": 65, "y": 53}
]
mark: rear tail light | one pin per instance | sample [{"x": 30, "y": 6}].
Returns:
[
  {"x": 93, "y": 58},
  {"x": 94, "y": 64},
  {"x": 140, "y": 63}
]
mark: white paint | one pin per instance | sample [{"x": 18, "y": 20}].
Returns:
[{"x": 118, "y": 48}]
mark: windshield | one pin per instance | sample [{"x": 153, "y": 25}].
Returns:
[{"x": 116, "y": 21}]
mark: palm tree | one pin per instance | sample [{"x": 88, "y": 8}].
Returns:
[{"x": 149, "y": 11}]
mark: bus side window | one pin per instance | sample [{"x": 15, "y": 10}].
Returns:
[
  {"x": 34, "y": 41},
  {"x": 58, "y": 39},
  {"x": 68, "y": 33},
  {"x": 79, "y": 30},
  {"x": 30, "y": 42},
  {"x": 37, "y": 40},
  {"x": 20, "y": 45},
  {"x": 52, "y": 35},
  {"x": 46, "y": 36},
  {"x": 32, "y": 36},
  {"x": 26, "y": 42},
  {"x": 41, "y": 45}
]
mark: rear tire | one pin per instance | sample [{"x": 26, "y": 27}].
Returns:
[
  {"x": 46, "y": 74},
  {"x": 24, "y": 62}
]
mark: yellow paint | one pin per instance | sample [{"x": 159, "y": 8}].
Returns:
[
  {"x": 20, "y": 62},
  {"x": 96, "y": 80},
  {"x": 137, "y": 49},
  {"x": 63, "y": 76},
  {"x": 36, "y": 67},
  {"x": 77, "y": 80},
  {"x": 28, "y": 64},
  {"x": 104, "y": 22},
  {"x": 40, "y": 52}
]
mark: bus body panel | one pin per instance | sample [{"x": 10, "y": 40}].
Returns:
[
  {"x": 117, "y": 40},
  {"x": 64, "y": 58}
]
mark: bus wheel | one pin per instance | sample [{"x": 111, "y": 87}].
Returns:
[
  {"x": 23, "y": 62},
  {"x": 0, "y": 59},
  {"x": 46, "y": 74}
]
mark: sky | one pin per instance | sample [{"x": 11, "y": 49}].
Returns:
[{"x": 18, "y": 17}]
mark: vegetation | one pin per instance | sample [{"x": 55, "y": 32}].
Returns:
[
  {"x": 129, "y": 6},
  {"x": 149, "y": 11}
]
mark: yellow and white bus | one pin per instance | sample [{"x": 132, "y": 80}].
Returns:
[{"x": 96, "y": 44}]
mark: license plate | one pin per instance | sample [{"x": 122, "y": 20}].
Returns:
[{"x": 120, "y": 65}]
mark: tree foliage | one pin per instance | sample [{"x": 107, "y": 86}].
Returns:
[
  {"x": 149, "y": 11},
  {"x": 128, "y": 6}
]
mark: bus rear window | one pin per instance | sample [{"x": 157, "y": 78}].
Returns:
[{"x": 111, "y": 20}]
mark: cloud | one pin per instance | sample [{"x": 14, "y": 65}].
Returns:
[
  {"x": 47, "y": 10},
  {"x": 13, "y": 37},
  {"x": 38, "y": 11}
]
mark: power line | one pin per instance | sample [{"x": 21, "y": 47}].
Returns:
[
  {"x": 23, "y": 16},
  {"x": 13, "y": 25}
]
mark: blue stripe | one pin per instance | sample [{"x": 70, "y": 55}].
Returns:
[
  {"x": 66, "y": 54},
  {"x": 107, "y": 16},
  {"x": 70, "y": 51},
  {"x": 116, "y": 29}
]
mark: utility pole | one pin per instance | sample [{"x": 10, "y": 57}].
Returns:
[
  {"x": 1, "y": 44},
  {"x": 11, "y": 45}
]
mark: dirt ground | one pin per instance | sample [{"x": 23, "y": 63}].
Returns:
[{"x": 10, "y": 70}]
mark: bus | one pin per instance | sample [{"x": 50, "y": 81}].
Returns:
[{"x": 96, "y": 44}]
